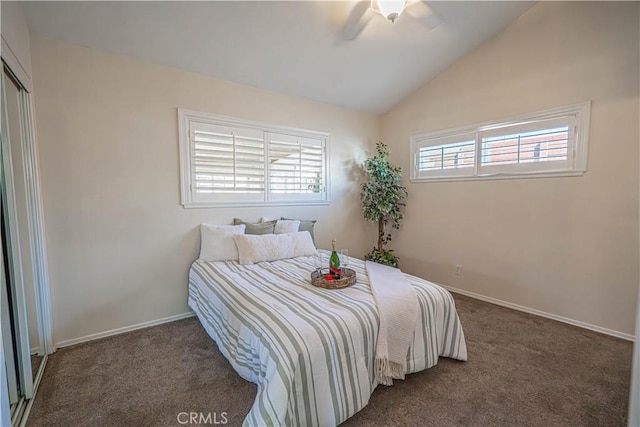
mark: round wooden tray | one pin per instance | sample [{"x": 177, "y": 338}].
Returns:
[{"x": 348, "y": 278}]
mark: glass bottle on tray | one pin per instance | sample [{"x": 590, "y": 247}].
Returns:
[{"x": 334, "y": 262}]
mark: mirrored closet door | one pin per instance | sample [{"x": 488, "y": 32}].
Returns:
[{"x": 23, "y": 346}]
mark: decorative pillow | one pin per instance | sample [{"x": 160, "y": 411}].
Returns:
[
  {"x": 265, "y": 219},
  {"x": 217, "y": 244},
  {"x": 266, "y": 247},
  {"x": 272, "y": 247},
  {"x": 303, "y": 244},
  {"x": 286, "y": 226},
  {"x": 305, "y": 225},
  {"x": 257, "y": 227}
]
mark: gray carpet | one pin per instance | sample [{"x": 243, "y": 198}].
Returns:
[
  {"x": 523, "y": 370},
  {"x": 35, "y": 364}
]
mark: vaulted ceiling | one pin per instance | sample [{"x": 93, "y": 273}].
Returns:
[{"x": 291, "y": 47}]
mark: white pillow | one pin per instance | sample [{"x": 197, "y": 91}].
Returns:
[
  {"x": 265, "y": 219},
  {"x": 217, "y": 244},
  {"x": 303, "y": 244},
  {"x": 286, "y": 226},
  {"x": 272, "y": 247}
]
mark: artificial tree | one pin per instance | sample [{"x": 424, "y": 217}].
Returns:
[{"x": 383, "y": 199}]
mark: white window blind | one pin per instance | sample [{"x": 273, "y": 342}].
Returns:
[
  {"x": 452, "y": 155},
  {"x": 548, "y": 143},
  {"x": 227, "y": 161},
  {"x": 296, "y": 166},
  {"x": 542, "y": 145}
]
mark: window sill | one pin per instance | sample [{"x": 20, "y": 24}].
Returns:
[
  {"x": 206, "y": 205},
  {"x": 491, "y": 177}
]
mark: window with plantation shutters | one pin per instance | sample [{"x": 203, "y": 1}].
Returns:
[
  {"x": 226, "y": 162},
  {"x": 233, "y": 162},
  {"x": 449, "y": 155},
  {"x": 538, "y": 145},
  {"x": 548, "y": 143},
  {"x": 296, "y": 167}
]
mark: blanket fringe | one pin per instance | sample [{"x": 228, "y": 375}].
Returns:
[{"x": 386, "y": 371}]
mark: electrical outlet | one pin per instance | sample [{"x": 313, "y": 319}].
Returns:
[{"x": 458, "y": 270}]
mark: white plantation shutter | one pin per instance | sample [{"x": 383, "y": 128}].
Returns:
[
  {"x": 453, "y": 155},
  {"x": 232, "y": 162},
  {"x": 548, "y": 143},
  {"x": 227, "y": 163},
  {"x": 296, "y": 167},
  {"x": 541, "y": 145}
]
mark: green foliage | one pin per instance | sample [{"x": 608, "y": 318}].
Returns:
[
  {"x": 385, "y": 257},
  {"x": 383, "y": 196}
]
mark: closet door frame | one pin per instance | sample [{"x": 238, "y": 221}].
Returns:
[
  {"x": 9, "y": 206},
  {"x": 35, "y": 218},
  {"x": 35, "y": 238},
  {"x": 36, "y": 224}
]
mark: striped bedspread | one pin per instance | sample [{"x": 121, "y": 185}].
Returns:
[{"x": 310, "y": 350}]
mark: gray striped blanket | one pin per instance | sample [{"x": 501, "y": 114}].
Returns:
[{"x": 310, "y": 350}]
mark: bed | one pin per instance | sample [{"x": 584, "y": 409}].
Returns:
[{"x": 310, "y": 350}]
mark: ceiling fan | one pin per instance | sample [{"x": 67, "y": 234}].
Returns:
[{"x": 364, "y": 11}]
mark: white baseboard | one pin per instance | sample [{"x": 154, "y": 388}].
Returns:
[
  {"x": 617, "y": 334},
  {"x": 541, "y": 313},
  {"x": 73, "y": 341}
]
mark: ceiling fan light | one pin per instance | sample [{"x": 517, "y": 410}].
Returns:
[{"x": 390, "y": 9}]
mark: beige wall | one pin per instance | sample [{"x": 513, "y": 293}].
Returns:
[
  {"x": 119, "y": 242},
  {"x": 566, "y": 246}
]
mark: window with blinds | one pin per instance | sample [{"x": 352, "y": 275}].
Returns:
[
  {"x": 227, "y": 161},
  {"x": 450, "y": 155},
  {"x": 548, "y": 143},
  {"x": 296, "y": 166},
  {"x": 540, "y": 145}
]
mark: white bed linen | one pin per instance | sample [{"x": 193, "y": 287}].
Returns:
[{"x": 310, "y": 350}]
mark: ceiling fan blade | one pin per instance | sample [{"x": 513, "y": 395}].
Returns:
[
  {"x": 358, "y": 19},
  {"x": 422, "y": 11}
]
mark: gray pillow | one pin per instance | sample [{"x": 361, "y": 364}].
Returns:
[
  {"x": 267, "y": 227},
  {"x": 305, "y": 225}
]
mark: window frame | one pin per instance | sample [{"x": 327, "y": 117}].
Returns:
[
  {"x": 576, "y": 156},
  {"x": 187, "y": 199}
]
